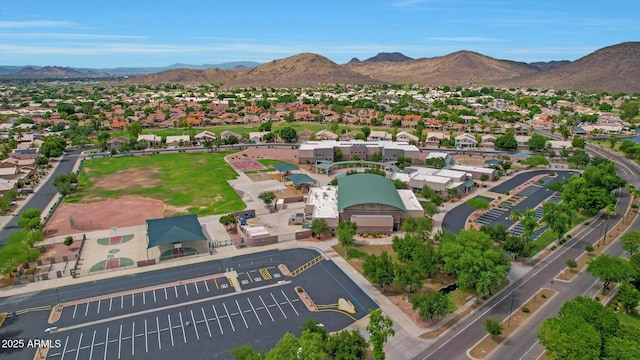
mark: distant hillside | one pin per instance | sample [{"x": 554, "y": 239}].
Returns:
[
  {"x": 462, "y": 67},
  {"x": 391, "y": 57},
  {"x": 548, "y": 65},
  {"x": 185, "y": 76},
  {"x": 304, "y": 69},
  {"x": 51, "y": 72},
  {"x": 14, "y": 72},
  {"x": 613, "y": 68}
]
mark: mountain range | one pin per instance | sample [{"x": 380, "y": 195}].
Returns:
[{"x": 614, "y": 68}]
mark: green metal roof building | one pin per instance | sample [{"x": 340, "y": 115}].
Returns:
[{"x": 361, "y": 189}]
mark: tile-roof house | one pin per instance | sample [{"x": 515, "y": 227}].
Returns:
[
  {"x": 326, "y": 135},
  {"x": 200, "y": 138},
  {"x": 227, "y": 134},
  {"x": 151, "y": 140},
  {"x": 305, "y": 135},
  {"x": 349, "y": 135},
  {"x": 466, "y": 141},
  {"x": 117, "y": 143},
  {"x": 379, "y": 135},
  {"x": 177, "y": 140},
  {"x": 407, "y": 136}
]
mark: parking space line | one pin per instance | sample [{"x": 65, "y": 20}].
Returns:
[
  {"x": 64, "y": 349},
  {"x": 93, "y": 341},
  {"x": 110, "y": 303},
  {"x": 158, "y": 328},
  {"x": 206, "y": 321},
  {"x": 86, "y": 311},
  {"x": 184, "y": 335},
  {"x": 217, "y": 319},
  {"x": 176, "y": 289},
  {"x": 216, "y": 282},
  {"x": 241, "y": 314},
  {"x": 120, "y": 341},
  {"x": 206, "y": 285},
  {"x": 285, "y": 296},
  {"x": 106, "y": 344},
  {"x": 186, "y": 290},
  {"x": 99, "y": 302},
  {"x": 154, "y": 295},
  {"x": 165, "y": 294},
  {"x": 196, "y": 285},
  {"x": 74, "y": 310},
  {"x": 274, "y": 300},
  {"x": 194, "y": 325},
  {"x": 146, "y": 340},
  {"x": 170, "y": 329},
  {"x": 249, "y": 277},
  {"x": 266, "y": 308},
  {"x": 78, "y": 348},
  {"x": 133, "y": 338},
  {"x": 254, "y": 311},
  {"x": 229, "y": 317}
]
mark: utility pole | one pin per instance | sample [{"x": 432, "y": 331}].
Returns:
[{"x": 513, "y": 296}]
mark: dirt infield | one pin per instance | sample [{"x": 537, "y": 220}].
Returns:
[
  {"x": 249, "y": 165},
  {"x": 286, "y": 154},
  {"x": 127, "y": 211}
]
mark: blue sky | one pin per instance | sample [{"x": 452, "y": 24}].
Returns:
[{"x": 98, "y": 33}]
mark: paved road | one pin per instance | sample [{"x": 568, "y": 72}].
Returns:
[
  {"x": 43, "y": 196},
  {"x": 523, "y": 344}
]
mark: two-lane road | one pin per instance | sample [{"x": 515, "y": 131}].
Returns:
[
  {"x": 523, "y": 344},
  {"x": 43, "y": 196}
]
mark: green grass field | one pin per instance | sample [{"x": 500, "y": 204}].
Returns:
[
  {"x": 197, "y": 181},
  {"x": 270, "y": 162}
]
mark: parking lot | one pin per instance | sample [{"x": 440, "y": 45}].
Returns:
[
  {"x": 185, "y": 313},
  {"x": 184, "y": 327}
]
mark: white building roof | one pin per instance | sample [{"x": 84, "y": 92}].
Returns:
[
  {"x": 435, "y": 154},
  {"x": 325, "y": 202},
  {"x": 432, "y": 178},
  {"x": 409, "y": 200},
  {"x": 451, "y": 173}
]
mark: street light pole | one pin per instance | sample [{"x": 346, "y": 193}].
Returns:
[
  {"x": 513, "y": 296},
  {"x": 57, "y": 296}
]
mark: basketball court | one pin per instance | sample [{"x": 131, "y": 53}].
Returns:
[{"x": 111, "y": 251}]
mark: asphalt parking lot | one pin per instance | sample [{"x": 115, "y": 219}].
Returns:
[
  {"x": 528, "y": 198},
  {"x": 198, "y": 317}
]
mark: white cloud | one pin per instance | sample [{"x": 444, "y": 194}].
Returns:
[
  {"x": 68, "y": 36},
  {"x": 33, "y": 24},
  {"x": 465, "y": 39}
]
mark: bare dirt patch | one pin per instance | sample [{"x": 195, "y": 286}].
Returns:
[
  {"x": 133, "y": 178},
  {"x": 290, "y": 155},
  {"x": 126, "y": 211}
]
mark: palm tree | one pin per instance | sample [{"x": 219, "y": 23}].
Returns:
[
  {"x": 609, "y": 211},
  {"x": 515, "y": 216}
]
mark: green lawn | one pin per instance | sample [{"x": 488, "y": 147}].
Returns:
[
  {"x": 194, "y": 180},
  {"x": 543, "y": 240},
  {"x": 269, "y": 162},
  {"x": 627, "y": 319}
]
